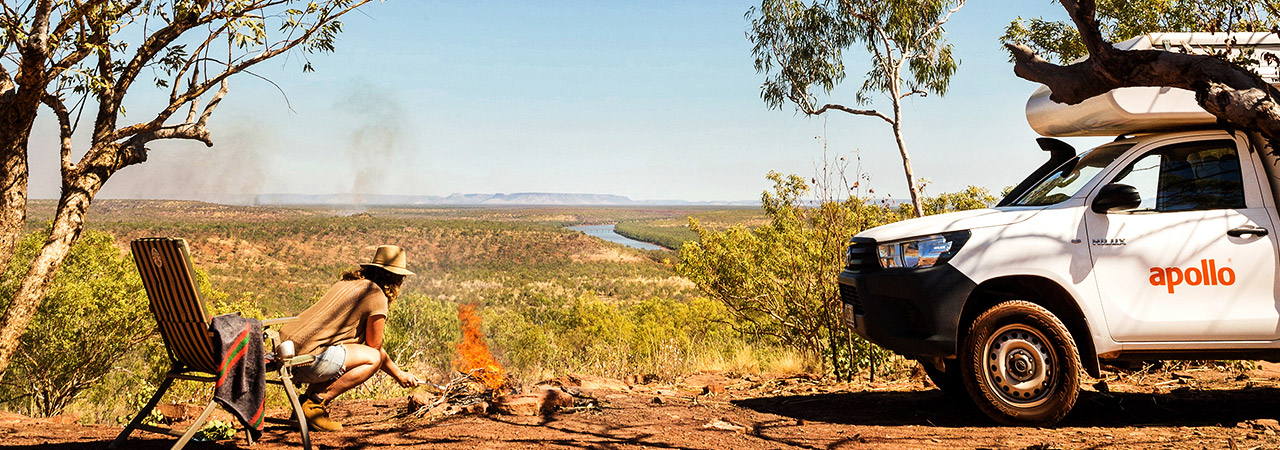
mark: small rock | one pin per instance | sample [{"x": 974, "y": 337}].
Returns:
[
  {"x": 418, "y": 400},
  {"x": 1266, "y": 424},
  {"x": 439, "y": 410},
  {"x": 475, "y": 408},
  {"x": 727, "y": 426},
  {"x": 176, "y": 412},
  {"x": 518, "y": 405},
  {"x": 553, "y": 398},
  {"x": 1101, "y": 386},
  {"x": 713, "y": 388},
  {"x": 657, "y": 400},
  {"x": 546, "y": 400},
  {"x": 594, "y": 382}
]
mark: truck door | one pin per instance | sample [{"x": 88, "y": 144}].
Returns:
[{"x": 1197, "y": 260}]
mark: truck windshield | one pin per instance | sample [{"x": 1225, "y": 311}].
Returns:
[{"x": 1072, "y": 176}]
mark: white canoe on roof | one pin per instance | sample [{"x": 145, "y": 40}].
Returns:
[{"x": 1140, "y": 109}]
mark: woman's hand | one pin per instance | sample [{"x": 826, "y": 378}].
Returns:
[{"x": 407, "y": 379}]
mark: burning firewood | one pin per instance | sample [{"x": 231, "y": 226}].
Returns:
[
  {"x": 465, "y": 394},
  {"x": 482, "y": 385}
]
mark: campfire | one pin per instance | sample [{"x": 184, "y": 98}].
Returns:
[
  {"x": 481, "y": 385},
  {"x": 474, "y": 358}
]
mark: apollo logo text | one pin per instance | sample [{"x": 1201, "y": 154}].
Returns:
[{"x": 1208, "y": 274}]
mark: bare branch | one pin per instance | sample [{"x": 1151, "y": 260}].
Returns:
[
  {"x": 64, "y": 130},
  {"x": 936, "y": 26},
  {"x": 200, "y": 89},
  {"x": 213, "y": 104},
  {"x": 76, "y": 15},
  {"x": 149, "y": 49},
  {"x": 860, "y": 112},
  {"x": 1083, "y": 14},
  {"x": 919, "y": 92}
]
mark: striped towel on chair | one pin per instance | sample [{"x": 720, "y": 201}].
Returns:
[{"x": 241, "y": 386}]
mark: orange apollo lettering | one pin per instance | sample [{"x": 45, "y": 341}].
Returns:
[{"x": 1208, "y": 274}]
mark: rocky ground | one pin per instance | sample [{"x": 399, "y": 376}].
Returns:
[{"x": 1205, "y": 407}]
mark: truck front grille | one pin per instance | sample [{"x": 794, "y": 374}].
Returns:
[{"x": 849, "y": 295}]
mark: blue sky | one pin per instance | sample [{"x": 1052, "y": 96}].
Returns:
[{"x": 651, "y": 100}]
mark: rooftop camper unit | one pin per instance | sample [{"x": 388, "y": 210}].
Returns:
[
  {"x": 1147, "y": 109},
  {"x": 1154, "y": 246}
]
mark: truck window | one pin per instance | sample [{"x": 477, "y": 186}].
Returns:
[
  {"x": 1187, "y": 177},
  {"x": 1072, "y": 176}
]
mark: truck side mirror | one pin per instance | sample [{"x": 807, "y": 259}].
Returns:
[{"x": 1116, "y": 197}]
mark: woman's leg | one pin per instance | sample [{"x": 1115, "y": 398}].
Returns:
[{"x": 361, "y": 364}]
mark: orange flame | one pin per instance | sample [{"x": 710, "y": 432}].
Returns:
[{"x": 474, "y": 357}]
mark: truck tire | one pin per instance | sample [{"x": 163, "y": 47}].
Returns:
[{"x": 1020, "y": 365}]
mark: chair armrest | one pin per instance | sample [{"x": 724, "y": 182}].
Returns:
[
  {"x": 270, "y": 322},
  {"x": 299, "y": 360}
]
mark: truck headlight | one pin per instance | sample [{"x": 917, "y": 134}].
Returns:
[{"x": 921, "y": 252}]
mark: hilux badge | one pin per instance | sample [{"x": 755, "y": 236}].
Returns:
[{"x": 1115, "y": 241}]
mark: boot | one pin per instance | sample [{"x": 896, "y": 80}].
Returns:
[{"x": 317, "y": 413}]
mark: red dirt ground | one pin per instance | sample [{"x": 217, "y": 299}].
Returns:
[{"x": 1191, "y": 409}]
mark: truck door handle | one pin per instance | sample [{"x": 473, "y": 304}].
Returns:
[{"x": 1247, "y": 229}]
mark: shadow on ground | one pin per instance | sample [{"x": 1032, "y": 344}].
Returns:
[{"x": 1093, "y": 409}]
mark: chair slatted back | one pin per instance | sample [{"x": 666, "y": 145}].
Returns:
[{"x": 169, "y": 277}]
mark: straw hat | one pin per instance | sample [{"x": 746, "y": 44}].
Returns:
[{"x": 391, "y": 258}]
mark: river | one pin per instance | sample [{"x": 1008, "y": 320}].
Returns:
[{"x": 606, "y": 232}]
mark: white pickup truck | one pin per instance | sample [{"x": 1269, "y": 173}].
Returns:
[{"x": 1157, "y": 245}]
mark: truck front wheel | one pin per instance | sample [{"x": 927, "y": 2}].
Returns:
[{"x": 1020, "y": 365}]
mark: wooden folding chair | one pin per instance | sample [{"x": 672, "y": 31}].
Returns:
[{"x": 183, "y": 319}]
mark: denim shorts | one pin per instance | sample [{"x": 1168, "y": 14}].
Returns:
[{"x": 327, "y": 367}]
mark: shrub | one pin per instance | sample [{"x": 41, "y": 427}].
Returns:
[
  {"x": 423, "y": 330},
  {"x": 779, "y": 280},
  {"x": 95, "y": 313}
]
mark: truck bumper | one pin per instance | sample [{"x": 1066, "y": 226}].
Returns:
[{"x": 914, "y": 312}]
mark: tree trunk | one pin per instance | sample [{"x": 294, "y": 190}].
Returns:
[
  {"x": 17, "y": 114},
  {"x": 67, "y": 225},
  {"x": 912, "y": 185},
  {"x": 13, "y": 194}
]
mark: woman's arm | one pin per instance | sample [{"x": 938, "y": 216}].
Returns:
[{"x": 373, "y": 335}]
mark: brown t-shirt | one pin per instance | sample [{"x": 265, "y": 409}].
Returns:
[{"x": 337, "y": 318}]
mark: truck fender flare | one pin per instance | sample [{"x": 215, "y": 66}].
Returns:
[{"x": 1039, "y": 290}]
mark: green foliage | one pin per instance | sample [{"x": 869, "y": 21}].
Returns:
[
  {"x": 547, "y": 334},
  {"x": 95, "y": 313},
  {"x": 778, "y": 280},
  {"x": 800, "y": 47},
  {"x": 972, "y": 197},
  {"x": 422, "y": 329},
  {"x": 1120, "y": 20},
  {"x": 215, "y": 430},
  {"x": 671, "y": 237},
  {"x": 92, "y": 37}
]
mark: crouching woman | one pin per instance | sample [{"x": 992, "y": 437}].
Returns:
[{"x": 344, "y": 331}]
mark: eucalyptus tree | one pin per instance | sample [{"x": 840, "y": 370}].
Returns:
[
  {"x": 800, "y": 45},
  {"x": 1225, "y": 85},
  {"x": 83, "y": 57}
]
